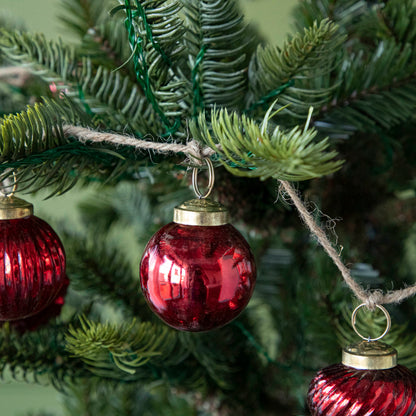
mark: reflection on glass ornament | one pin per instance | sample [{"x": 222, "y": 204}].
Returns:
[
  {"x": 32, "y": 261},
  {"x": 198, "y": 273},
  {"x": 198, "y": 277}
]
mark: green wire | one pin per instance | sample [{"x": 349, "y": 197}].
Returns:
[
  {"x": 139, "y": 60},
  {"x": 196, "y": 86},
  {"x": 266, "y": 98}
]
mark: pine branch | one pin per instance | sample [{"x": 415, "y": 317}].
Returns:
[
  {"x": 249, "y": 149},
  {"x": 305, "y": 61},
  {"x": 375, "y": 91},
  {"x": 10, "y": 22},
  {"x": 399, "y": 17},
  {"x": 39, "y": 356},
  {"x": 261, "y": 317},
  {"x": 107, "y": 97},
  {"x": 145, "y": 352},
  {"x": 132, "y": 399},
  {"x": 367, "y": 23},
  {"x": 102, "y": 36},
  {"x": 346, "y": 13},
  {"x": 37, "y": 129},
  {"x": 128, "y": 346},
  {"x": 34, "y": 142},
  {"x": 115, "y": 102},
  {"x": 130, "y": 351},
  {"x": 110, "y": 277},
  {"x": 53, "y": 61},
  {"x": 219, "y": 46},
  {"x": 218, "y": 367},
  {"x": 82, "y": 15},
  {"x": 155, "y": 33}
]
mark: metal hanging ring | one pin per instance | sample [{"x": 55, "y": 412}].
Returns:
[
  {"x": 369, "y": 339},
  {"x": 5, "y": 185},
  {"x": 211, "y": 179}
]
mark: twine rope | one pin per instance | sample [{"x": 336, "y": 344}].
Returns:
[
  {"x": 192, "y": 148},
  {"x": 196, "y": 153},
  {"x": 370, "y": 298}
]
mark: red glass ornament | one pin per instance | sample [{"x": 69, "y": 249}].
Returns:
[
  {"x": 197, "y": 278},
  {"x": 32, "y": 323},
  {"x": 340, "y": 390},
  {"x": 32, "y": 267}
]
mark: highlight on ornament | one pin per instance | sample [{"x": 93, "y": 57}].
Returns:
[
  {"x": 198, "y": 273},
  {"x": 32, "y": 261},
  {"x": 367, "y": 382}
]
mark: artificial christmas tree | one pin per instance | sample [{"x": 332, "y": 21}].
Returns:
[{"x": 151, "y": 89}]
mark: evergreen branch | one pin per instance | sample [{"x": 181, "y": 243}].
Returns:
[
  {"x": 148, "y": 351},
  {"x": 346, "y": 13},
  {"x": 305, "y": 60},
  {"x": 375, "y": 91},
  {"x": 82, "y": 15},
  {"x": 10, "y": 22},
  {"x": 51, "y": 60},
  {"x": 62, "y": 167},
  {"x": 367, "y": 23},
  {"x": 106, "y": 45},
  {"x": 218, "y": 29},
  {"x": 110, "y": 277},
  {"x": 35, "y": 142},
  {"x": 132, "y": 399},
  {"x": 399, "y": 17},
  {"x": 38, "y": 356},
  {"x": 115, "y": 101},
  {"x": 127, "y": 346},
  {"x": 218, "y": 367},
  {"x": 249, "y": 149},
  {"x": 155, "y": 31},
  {"x": 37, "y": 129},
  {"x": 102, "y": 36},
  {"x": 260, "y": 315},
  {"x": 107, "y": 97},
  {"x": 369, "y": 112}
]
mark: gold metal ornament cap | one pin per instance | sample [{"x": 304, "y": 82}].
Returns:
[
  {"x": 373, "y": 355},
  {"x": 203, "y": 212},
  {"x": 12, "y": 208}
]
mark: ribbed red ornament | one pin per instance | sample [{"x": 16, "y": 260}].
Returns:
[
  {"x": 340, "y": 390},
  {"x": 34, "y": 322},
  {"x": 32, "y": 267},
  {"x": 197, "y": 278}
]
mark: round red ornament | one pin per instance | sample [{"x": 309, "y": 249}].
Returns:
[
  {"x": 32, "y": 261},
  {"x": 198, "y": 273},
  {"x": 369, "y": 382},
  {"x": 33, "y": 322}
]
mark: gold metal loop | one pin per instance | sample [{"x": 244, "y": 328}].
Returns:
[
  {"x": 369, "y": 339},
  {"x": 6, "y": 185},
  {"x": 211, "y": 179}
]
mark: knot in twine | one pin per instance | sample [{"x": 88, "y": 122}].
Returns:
[
  {"x": 196, "y": 153},
  {"x": 373, "y": 298}
]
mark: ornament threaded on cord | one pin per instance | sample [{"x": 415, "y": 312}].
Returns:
[{"x": 198, "y": 273}]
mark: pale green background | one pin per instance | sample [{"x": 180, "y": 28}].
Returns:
[{"x": 272, "y": 19}]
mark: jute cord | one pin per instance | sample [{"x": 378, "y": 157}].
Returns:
[
  {"x": 192, "y": 149},
  {"x": 196, "y": 153}
]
